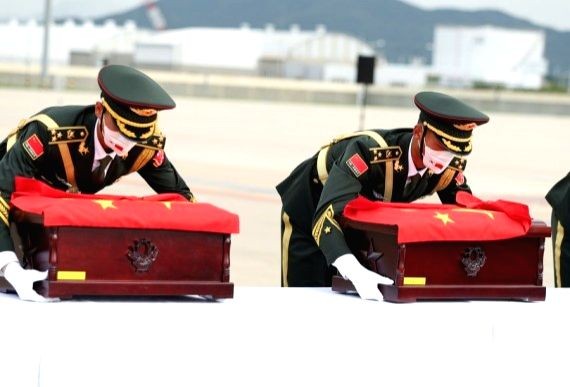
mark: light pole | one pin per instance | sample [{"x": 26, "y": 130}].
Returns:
[{"x": 45, "y": 47}]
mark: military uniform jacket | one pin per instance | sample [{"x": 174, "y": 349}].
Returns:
[
  {"x": 559, "y": 199},
  {"x": 57, "y": 146},
  {"x": 373, "y": 164}
]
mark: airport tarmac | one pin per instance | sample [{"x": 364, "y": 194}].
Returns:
[{"x": 232, "y": 153}]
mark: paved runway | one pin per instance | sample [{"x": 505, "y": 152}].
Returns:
[{"x": 232, "y": 154}]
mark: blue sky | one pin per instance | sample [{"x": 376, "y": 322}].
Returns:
[{"x": 549, "y": 13}]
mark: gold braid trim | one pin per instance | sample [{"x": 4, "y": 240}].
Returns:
[
  {"x": 454, "y": 148},
  {"x": 4, "y": 211},
  {"x": 444, "y": 180},
  {"x": 122, "y": 121},
  {"x": 13, "y": 135},
  {"x": 44, "y": 119},
  {"x": 388, "y": 169},
  {"x": 446, "y": 135},
  {"x": 322, "y": 165},
  {"x": 327, "y": 214},
  {"x": 144, "y": 157},
  {"x": 116, "y": 116},
  {"x": 285, "y": 240},
  {"x": 67, "y": 164},
  {"x": 12, "y": 138},
  {"x": 557, "y": 253}
]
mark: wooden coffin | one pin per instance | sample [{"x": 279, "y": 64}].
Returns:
[
  {"x": 498, "y": 269},
  {"x": 115, "y": 262},
  {"x": 105, "y": 245},
  {"x": 121, "y": 262}
]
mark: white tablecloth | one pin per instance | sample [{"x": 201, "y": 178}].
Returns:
[{"x": 273, "y": 337}]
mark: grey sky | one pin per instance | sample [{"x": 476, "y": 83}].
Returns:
[
  {"x": 548, "y": 13},
  {"x": 62, "y": 8}
]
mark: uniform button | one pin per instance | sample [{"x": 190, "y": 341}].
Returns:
[{"x": 315, "y": 180}]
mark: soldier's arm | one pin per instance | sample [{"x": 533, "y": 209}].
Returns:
[
  {"x": 162, "y": 177},
  {"x": 24, "y": 158},
  {"x": 345, "y": 181},
  {"x": 559, "y": 199}
]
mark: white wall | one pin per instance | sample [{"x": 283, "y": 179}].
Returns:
[
  {"x": 514, "y": 58},
  {"x": 213, "y": 47},
  {"x": 23, "y": 42},
  {"x": 331, "y": 47},
  {"x": 310, "y": 54},
  {"x": 397, "y": 74}
]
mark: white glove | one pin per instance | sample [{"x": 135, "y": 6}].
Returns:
[
  {"x": 365, "y": 281},
  {"x": 22, "y": 280}
]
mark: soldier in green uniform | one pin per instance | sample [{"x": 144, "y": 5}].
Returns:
[
  {"x": 559, "y": 199},
  {"x": 399, "y": 165},
  {"x": 86, "y": 148}
]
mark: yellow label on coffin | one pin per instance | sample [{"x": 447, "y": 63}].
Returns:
[
  {"x": 414, "y": 280},
  {"x": 71, "y": 275}
]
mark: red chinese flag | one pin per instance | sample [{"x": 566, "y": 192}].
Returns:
[
  {"x": 357, "y": 165},
  {"x": 33, "y": 146},
  {"x": 162, "y": 211},
  {"x": 475, "y": 220}
]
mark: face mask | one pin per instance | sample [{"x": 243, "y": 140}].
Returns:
[
  {"x": 117, "y": 142},
  {"x": 436, "y": 161}
]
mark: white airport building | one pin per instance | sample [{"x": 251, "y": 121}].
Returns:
[
  {"x": 462, "y": 56},
  {"x": 466, "y": 56}
]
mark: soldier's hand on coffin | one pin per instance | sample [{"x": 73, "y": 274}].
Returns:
[
  {"x": 365, "y": 281},
  {"x": 21, "y": 279}
]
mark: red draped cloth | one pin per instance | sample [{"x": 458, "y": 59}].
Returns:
[
  {"x": 162, "y": 211},
  {"x": 471, "y": 219}
]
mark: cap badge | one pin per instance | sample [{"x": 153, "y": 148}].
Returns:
[
  {"x": 144, "y": 112},
  {"x": 466, "y": 127}
]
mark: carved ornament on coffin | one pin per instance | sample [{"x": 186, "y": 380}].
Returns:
[
  {"x": 142, "y": 254},
  {"x": 473, "y": 259}
]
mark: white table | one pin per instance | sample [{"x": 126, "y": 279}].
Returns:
[{"x": 273, "y": 337}]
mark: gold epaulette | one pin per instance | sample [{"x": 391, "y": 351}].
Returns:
[
  {"x": 458, "y": 164},
  {"x": 67, "y": 134},
  {"x": 444, "y": 180},
  {"x": 70, "y": 133},
  {"x": 383, "y": 154},
  {"x": 156, "y": 142},
  {"x": 152, "y": 144}
]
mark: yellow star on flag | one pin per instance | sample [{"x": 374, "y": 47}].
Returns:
[
  {"x": 105, "y": 203},
  {"x": 444, "y": 218},
  {"x": 167, "y": 205}
]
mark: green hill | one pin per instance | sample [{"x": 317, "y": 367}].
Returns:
[{"x": 407, "y": 31}]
